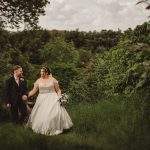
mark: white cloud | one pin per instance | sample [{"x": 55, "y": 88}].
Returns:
[
  {"x": 93, "y": 14},
  {"x": 59, "y": 1}
]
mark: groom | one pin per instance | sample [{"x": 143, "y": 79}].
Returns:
[{"x": 16, "y": 95}]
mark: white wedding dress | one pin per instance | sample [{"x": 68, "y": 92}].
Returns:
[{"x": 48, "y": 117}]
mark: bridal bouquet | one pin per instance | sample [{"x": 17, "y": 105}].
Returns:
[{"x": 63, "y": 99}]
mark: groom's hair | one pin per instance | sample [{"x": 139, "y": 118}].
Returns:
[{"x": 16, "y": 67}]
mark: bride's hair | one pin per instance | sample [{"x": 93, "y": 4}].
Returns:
[{"x": 47, "y": 70}]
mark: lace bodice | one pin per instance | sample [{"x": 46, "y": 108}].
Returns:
[{"x": 46, "y": 87}]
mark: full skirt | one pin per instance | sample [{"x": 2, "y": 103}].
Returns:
[{"x": 48, "y": 117}]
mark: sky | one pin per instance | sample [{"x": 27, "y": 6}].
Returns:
[{"x": 90, "y": 15}]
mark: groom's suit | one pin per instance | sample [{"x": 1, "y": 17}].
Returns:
[{"x": 14, "y": 93}]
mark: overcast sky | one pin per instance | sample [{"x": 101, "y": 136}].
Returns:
[{"x": 89, "y": 15}]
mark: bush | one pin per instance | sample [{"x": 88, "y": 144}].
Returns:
[
  {"x": 125, "y": 69},
  {"x": 64, "y": 73},
  {"x": 85, "y": 88},
  {"x": 128, "y": 68}
]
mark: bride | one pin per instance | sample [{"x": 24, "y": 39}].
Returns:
[{"x": 48, "y": 117}]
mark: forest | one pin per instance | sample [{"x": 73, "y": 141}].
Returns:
[{"x": 88, "y": 65}]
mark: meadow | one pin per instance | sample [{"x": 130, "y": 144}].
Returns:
[{"x": 113, "y": 123}]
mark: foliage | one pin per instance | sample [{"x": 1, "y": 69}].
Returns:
[
  {"x": 16, "y": 12},
  {"x": 85, "y": 58},
  {"x": 125, "y": 69},
  {"x": 128, "y": 68},
  {"x": 141, "y": 34},
  {"x": 65, "y": 73},
  {"x": 118, "y": 63},
  {"x": 59, "y": 51},
  {"x": 94, "y": 41},
  {"x": 85, "y": 88}
]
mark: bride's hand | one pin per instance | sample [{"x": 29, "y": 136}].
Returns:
[
  {"x": 8, "y": 105},
  {"x": 59, "y": 95}
]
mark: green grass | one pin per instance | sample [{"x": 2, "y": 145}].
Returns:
[{"x": 110, "y": 124}]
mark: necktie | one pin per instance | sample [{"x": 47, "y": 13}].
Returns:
[{"x": 17, "y": 81}]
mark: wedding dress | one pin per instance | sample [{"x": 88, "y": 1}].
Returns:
[{"x": 48, "y": 117}]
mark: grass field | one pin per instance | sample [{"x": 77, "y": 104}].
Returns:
[{"x": 110, "y": 124}]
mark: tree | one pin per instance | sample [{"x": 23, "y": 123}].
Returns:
[
  {"x": 145, "y": 2},
  {"x": 141, "y": 34},
  {"x": 59, "y": 51},
  {"x": 15, "y": 12}
]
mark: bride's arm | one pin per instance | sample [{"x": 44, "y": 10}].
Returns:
[
  {"x": 57, "y": 89},
  {"x": 34, "y": 90}
]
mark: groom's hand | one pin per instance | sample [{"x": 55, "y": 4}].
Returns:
[{"x": 24, "y": 98}]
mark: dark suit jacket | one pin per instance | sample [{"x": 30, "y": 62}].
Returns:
[{"x": 13, "y": 91}]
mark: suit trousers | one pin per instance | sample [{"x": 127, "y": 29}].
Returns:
[{"x": 19, "y": 111}]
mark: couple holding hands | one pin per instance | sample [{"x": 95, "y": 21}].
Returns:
[{"x": 48, "y": 116}]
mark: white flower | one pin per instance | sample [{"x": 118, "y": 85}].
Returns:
[
  {"x": 63, "y": 99},
  {"x": 21, "y": 79}
]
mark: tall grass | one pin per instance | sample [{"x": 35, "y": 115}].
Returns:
[{"x": 110, "y": 124}]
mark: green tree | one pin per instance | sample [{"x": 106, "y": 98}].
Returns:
[
  {"x": 93, "y": 41},
  {"x": 141, "y": 34},
  {"x": 59, "y": 51},
  {"x": 127, "y": 68},
  {"x": 15, "y": 12},
  {"x": 64, "y": 73}
]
